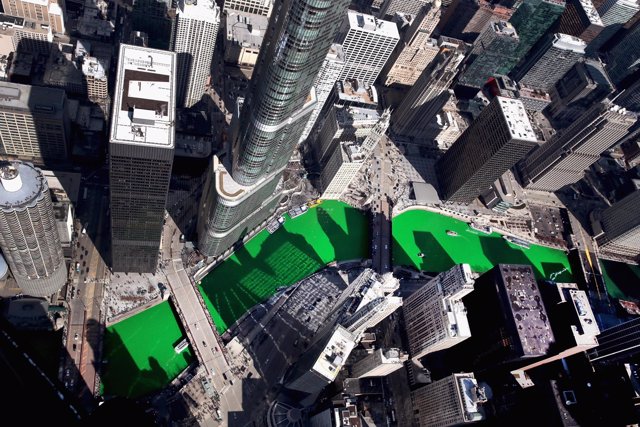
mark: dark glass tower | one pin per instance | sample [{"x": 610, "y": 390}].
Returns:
[{"x": 242, "y": 189}]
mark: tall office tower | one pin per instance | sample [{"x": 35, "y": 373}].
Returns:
[
  {"x": 499, "y": 137},
  {"x": 618, "y": 344},
  {"x": 435, "y": 317},
  {"x": 419, "y": 49},
  {"x": 562, "y": 160},
  {"x": 532, "y": 20},
  {"x": 324, "y": 82},
  {"x": 257, "y": 7},
  {"x": 33, "y": 123},
  {"x": 580, "y": 19},
  {"x": 584, "y": 85},
  {"x": 509, "y": 322},
  {"x": 621, "y": 226},
  {"x": 373, "y": 309},
  {"x": 367, "y": 42},
  {"x": 321, "y": 363},
  {"x": 430, "y": 92},
  {"x": 451, "y": 401},
  {"x": 28, "y": 233},
  {"x": 492, "y": 53},
  {"x": 614, "y": 14},
  {"x": 155, "y": 18},
  {"x": 549, "y": 61},
  {"x": 380, "y": 363},
  {"x": 94, "y": 71},
  {"x": 194, "y": 40},
  {"x": 407, "y": 7},
  {"x": 624, "y": 58},
  {"x": 26, "y": 36},
  {"x": 456, "y": 17},
  {"x": 141, "y": 152},
  {"x": 630, "y": 98},
  {"x": 279, "y": 102},
  {"x": 44, "y": 12}
]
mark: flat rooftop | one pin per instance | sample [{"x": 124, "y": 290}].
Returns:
[
  {"x": 32, "y": 99},
  {"x": 371, "y": 24},
  {"x": 144, "y": 104},
  {"x": 567, "y": 42},
  {"x": 246, "y": 29},
  {"x": 517, "y": 120},
  {"x": 202, "y": 10},
  {"x": 335, "y": 354}
]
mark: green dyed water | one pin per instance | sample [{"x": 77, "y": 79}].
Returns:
[
  {"x": 139, "y": 356},
  {"x": 417, "y": 232},
  {"x": 622, "y": 280},
  {"x": 303, "y": 245}
]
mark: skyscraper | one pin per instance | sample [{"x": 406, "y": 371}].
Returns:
[
  {"x": 241, "y": 190},
  {"x": 141, "y": 152},
  {"x": 418, "y": 50},
  {"x": 562, "y": 160},
  {"x": 28, "y": 233},
  {"x": 367, "y": 42},
  {"x": 614, "y": 14},
  {"x": 257, "y": 7},
  {"x": 620, "y": 343},
  {"x": 621, "y": 225},
  {"x": 547, "y": 62},
  {"x": 430, "y": 92},
  {"x": 380, "y": 363},
  {"x": 451, "y": 401},
  {"x": 196, "y": 28},
  {"x": 499, "y": 137},
  {"x": 155, "y": 18},
  {"x": 492, "y": 53},
  {"x": 33, "y": 123},
  {"x": 624, "y": 58},
  {"x": 580, "y": 19},
  {"x": 323, "y": 84},
  {"x": 44, "y": 12},
  {"x": 435, "y": 316},
  {"x": 411, "y": 7}
]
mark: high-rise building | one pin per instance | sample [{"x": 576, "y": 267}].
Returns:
[
  {"x": 194, "y": 40},
  {"x": 532, "y": 20},
  {"x": 141, "y": 151},
  {"x": 430, "y": 92},
  {"x": 242, "y": 188},
  {"x": 367, "y": 42},
  {"x": 562, "y": 160},
  {"x": 620, "y": 343},
  {"x": 494, "y": 48},
  {"x": 96, "y": 80},
  {"x": 418, "y": 49},
  {"x": 408, "y": 7},
  {"x": 155, "y": 18},
  {"x": 323, "y": 84},
  {"x": 380, "y": 363},
  {"x": 614, "y": 14},
  {"x": 547, "y": 62},
  {"x": 243, "y": 37},
  {"x": 28, "y": 233},
  {"x": 33, "y": 123},
  {"x": 451, "y": 401},
  {"x": 623, "y": 59},
  {"x": 580, "y": 19},
  {"x": 499, "y": 137},
  {"x": 256, "y": 7},
  {"x": 43, "y": 12},
  {"x": 578, "y": 90},
  {"x": 26, "y": 35},
  {"x": 435, "y": 316},
  {"x": 621, "y": 226}
]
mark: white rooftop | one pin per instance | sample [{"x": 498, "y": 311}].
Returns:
[
  {"x": 144, "y": 104},
  {"x": 468, "y": 387},
  {"x": 335, "y": 354},
  {"x": 371, "y": 24},
  {"x": 201, "y": 10},
  {"x": 591, "y": 12},
  {"x": 517, "y": 120},
  {"x": 567, "y": 42}
]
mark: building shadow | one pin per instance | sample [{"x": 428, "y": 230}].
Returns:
[
  {"x": 498, "y": 251},
  {"x": 436, "y": 258},
  {"x": 345, "y": 247},
  {"x": 625, "y": 277}
]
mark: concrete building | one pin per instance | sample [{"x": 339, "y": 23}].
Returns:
[
  {"x": 547, "y": 62},
  {"x": 141, "y": 151},
  {"x": 418, "y": 48},
  {"x": 324, "y": 83},
  {"x": 28, "y": 233},
  {"x": 621, "y": 226},
  {"x": 367, "y": 42},
  {"x": 435, "y": 316},
  {"x": 580, "y": 19},
  {"x": 430, "y": 92},
  {"x": 485, "y": 151},
  {"x": 492, "y": 53},
  {"x": 614, "y": 14},
  {"x": 624, "y": 58},
  {"x": 340, "y": 169},
  {"x": 44, "y": 12},
  {"x": 33, "y": 123},
  {"x": 256, "y": 7},
  {"x": 380, "y": 363},
  {"x": 563, "y": 160},
  {"x": 451, "y": 401},
  {"x": 242, "y": 189},
  {"x": 64, "y": 188},
  {"x": 194, "y": 40},
  {"x": 532, "y": 99},
  {"x": 389, "y": 8},
  {"x": 620, "y": 343},
  {"x": 96, "y": 78},
  {"x": 244, "y": 35},
  {"x": 25, "y": 35}
]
